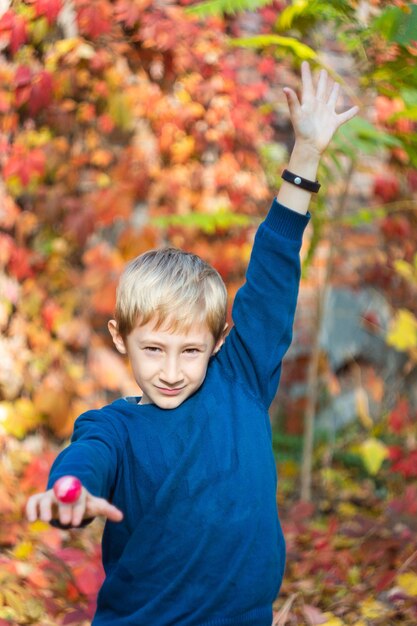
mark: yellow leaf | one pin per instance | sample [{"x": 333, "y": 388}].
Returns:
[
  {"x": 103, "y": 180},
  {"x": 354, "y": 575},
  {"x": 7, "y": 613},
  {"x": 372, "y": 609},
  {"x": 20, "y": 417},
  {"x": 373, "y": 453},
  {"x": 406, "y": 270},
  {"x": 23, "y": 550},
  {"x": 183, "y": 149},
  {"x": 38, "y": 527},
  {"x": 183, "y": 96},
  {"x": 403, "y": 332},
  {"x": 63, "y": 46},
  {"x": 347, "y": 509},
  {"x": 408, "y": 582},
  {"x": 119, "y": 111}
]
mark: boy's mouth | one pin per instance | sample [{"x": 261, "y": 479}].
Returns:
[{"x": 168, "y": 391}]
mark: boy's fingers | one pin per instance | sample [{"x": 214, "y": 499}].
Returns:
[
  {"x": 32, "y": 508},
  {"x": 347, "y": 115},
  {"x": 334, "y": 94},
  {"x": 322, "y": 85},
  {"x": 78, "y": 511},
  {"x": 100, "y": 506},
  {"x": 307, "y": 81},
  {"x": 45, "y": 508},
  {"x": 292, "y": 100}
]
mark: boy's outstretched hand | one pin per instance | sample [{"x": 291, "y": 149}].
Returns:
[
  {"x": 43, "y": 506},
  {"x": 314, "y": 119}
]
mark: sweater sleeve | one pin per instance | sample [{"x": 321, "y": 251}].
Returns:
[
  {"x": 264, "y": 307},
  {"x": 92, "y": 456}
]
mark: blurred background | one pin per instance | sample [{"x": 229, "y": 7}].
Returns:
[{"x": 133, "y": 124}]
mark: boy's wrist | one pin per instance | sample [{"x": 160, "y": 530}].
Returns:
[
  {"x": 304, "y": 160},
  {"x": 308, "y": 153}
]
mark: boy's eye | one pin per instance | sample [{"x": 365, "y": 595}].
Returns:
[
  {"x": 152, "y": 349},
  {"x": 191, "y": 351}
]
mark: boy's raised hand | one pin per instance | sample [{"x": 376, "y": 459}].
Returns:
[
  {"x": 314, "y": 119},
  {"x": 44, "y": 505}
]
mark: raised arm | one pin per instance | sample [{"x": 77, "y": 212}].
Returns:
[
  {"x": 314, "y": 121},
  {"x": 264, "y": 308}
]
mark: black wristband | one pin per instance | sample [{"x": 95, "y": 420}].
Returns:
[{"x": 298, "y": 181}]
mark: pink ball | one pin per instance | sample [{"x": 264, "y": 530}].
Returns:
[{"x": 67, "y": 489}]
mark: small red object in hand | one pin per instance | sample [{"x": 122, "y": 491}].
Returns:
[{"x": 67, "y": 489}]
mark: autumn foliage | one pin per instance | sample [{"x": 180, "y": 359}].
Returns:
[
  {"x": 99, "y": 136},
  {"x": 131, "y": 124}
]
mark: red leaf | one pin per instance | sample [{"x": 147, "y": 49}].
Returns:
[
  {"x": 19, "y": 34},
  {"x": 49, "y": 8},
  {"x": 385, "y": 581},
  {"x": 23, "y": 76},
  {"x": 71, "y": 556},
  {"x": 407, "y": 466},
  {"x": 127, "y": 12},
  {"x": 406, "y": 504},
  {"x": 16, "y": 28},
  {"x": 399, "y": 417},
  {"x": 94, "y": 19},
  {"x": 36, "y": 472},
  {"x": 386, "y": 187},
  {"x": 50, "y": 311},
  {"x": 88, "y": 578},
  {"x": 41, "y": 94},
  {"x": 25, "y": 165},
  {"x": 6, "y": 20},
  {"x": 23, "y": 85},
  {"x": 20, "y": 263}
]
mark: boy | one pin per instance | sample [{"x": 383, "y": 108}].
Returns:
[{"x": 185, "y": 474}]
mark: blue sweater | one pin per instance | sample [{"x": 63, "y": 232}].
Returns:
[{"x": 200, "y": 543}]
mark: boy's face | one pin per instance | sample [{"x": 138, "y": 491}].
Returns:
[{"x": 167, "y": 366}]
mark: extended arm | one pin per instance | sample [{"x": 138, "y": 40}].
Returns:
[{"x": 92, "y": 457}]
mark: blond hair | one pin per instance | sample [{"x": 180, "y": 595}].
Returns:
[{"x": 176, "y": 288}]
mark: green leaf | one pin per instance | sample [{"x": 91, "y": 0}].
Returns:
[
  {"x": 409, "y": 96},
  {"x": 301, "y": 50},
  {"x": 225, "y": 7},
  {"x": 362, "y": 136},
  {"x": 290, "y": 13},
  {"x": 410, "y": 113},
  {"x": 305, "y": 13},
  {"x": 397, "y": 25},
  {"x": 364, "y": 216},
  {"x": 206, "y": 222}
]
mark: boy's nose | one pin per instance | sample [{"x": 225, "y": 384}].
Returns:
[{"x": 171, "y": 372}]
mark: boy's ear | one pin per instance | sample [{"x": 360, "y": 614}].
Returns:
[
  {"x": 220, "y": 341},
  {"x": 116, "y": 336}
]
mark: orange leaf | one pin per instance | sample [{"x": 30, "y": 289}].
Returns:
[{"x": 39, "y": 579}]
